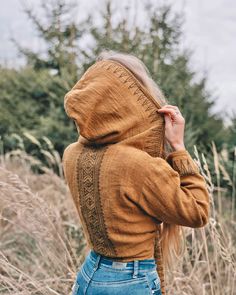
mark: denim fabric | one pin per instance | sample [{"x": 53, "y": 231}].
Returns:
[{"x": 100, "y": 275}]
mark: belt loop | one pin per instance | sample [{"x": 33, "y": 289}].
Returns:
[
  {"x": 136, "y": 264},
  {"x": 98, "y": 258}
]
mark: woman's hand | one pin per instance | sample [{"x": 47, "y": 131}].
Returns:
[{"x": 174, "y": 126}]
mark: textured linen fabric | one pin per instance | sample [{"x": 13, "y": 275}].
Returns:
[{"x": 123, "y": 183}]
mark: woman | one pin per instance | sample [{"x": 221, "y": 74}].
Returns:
[{"x": 132, "y": 196}]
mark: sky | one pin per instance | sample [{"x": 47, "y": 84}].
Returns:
[{"x": 209, "y": 30}]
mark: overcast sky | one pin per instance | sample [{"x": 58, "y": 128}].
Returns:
[{"x": 209, "y": 30}]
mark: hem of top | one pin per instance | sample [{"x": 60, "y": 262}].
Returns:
[{"x": 150, "y": 259}]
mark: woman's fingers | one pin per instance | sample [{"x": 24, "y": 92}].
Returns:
[
  {"x": 173, "y": 112},
  {"x": 170, "y": 106},
  {"x": 168, "y": 111}
]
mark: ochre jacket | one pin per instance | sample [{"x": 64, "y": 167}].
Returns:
[{"x": 123, "y": 183}]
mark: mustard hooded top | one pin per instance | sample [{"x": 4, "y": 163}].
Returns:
[{"x": 123, "y": 183}]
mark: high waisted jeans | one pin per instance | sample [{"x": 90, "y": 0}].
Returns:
[{"x": 101, "y": 275}]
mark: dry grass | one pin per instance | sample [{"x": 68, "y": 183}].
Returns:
[
  {"x": 208, "y": 265},
  {"x": 42, "y": 244}
]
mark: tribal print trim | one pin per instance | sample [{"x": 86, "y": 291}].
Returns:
[{"x": 88, "y": 168}]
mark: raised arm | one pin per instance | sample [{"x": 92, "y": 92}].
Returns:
[{"x": 174, "y": 191}]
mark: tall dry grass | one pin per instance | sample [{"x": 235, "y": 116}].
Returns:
[
  {"x": 208, "y": 265},
  {"x": 42, "y": 244}
]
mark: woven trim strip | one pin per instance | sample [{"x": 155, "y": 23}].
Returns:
[
  {"x": 154, "y": 143},
  {"x": 88, "y": 168}
]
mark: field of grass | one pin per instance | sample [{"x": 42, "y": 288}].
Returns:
[{"x": 42, "y": 245}]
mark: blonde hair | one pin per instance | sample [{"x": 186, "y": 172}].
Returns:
[
  {"x": 138, "y": 68},
  {"x": 170, "y": 233}
]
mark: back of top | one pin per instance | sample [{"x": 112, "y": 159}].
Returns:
[{"x": 123, "y": 184}]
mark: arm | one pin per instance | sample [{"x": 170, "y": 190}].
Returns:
[{"x": 174, "y": 191}]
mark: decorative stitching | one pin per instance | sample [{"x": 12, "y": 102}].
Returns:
[
  {"x": 88, "y": 170},
  {"x": 154, "y": 142}
]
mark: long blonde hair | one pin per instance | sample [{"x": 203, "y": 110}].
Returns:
[{"x": 170, "y": 233}]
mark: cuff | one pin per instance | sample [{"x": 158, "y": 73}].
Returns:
[{"x": 182, "y": 162}]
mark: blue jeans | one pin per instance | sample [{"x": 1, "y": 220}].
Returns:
[{"x": 100, "y": 275}]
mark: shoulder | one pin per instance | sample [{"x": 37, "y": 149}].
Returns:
[
  {"x": 68, "y": 149},
  {"x": 69, "y": 157},
  {"x": 139, "y": 165},
  {"x": 141, "y": 159}
]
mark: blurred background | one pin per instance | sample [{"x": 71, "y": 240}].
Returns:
[{"x": 189, "y": 48}]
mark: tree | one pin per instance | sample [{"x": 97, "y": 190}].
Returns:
[
  {"x": 231, "y": 132},
  {"x": 32, "y": 102},
  {"x": 60, "y": 34},
  {"x": 158, "y": 45},
  {"x": 43, "y": 82}
]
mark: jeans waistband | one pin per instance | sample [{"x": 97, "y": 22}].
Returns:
[{"x": 119, "y": 264}]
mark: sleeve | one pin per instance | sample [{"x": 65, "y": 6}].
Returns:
[{"x": 174, "y": 191}]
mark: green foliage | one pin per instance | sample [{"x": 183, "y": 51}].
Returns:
[
  {"x": 59, "y": 32},
  {"x": 157, "y": 44},
  {"x": 22, "y": 98},
  {"x": 33, "y": 101},
  {"x": 231, "y": 132},
  {"x": 32, "y": 97},
  {"x": 39, "y": 153}
]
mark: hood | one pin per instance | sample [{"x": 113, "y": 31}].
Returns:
[{"x": 110, "y": 106}]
